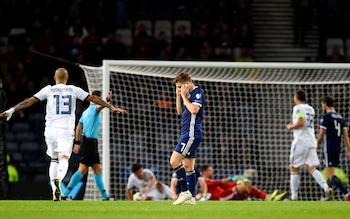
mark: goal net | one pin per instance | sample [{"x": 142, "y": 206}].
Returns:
[{"x": 247, "y": 109}]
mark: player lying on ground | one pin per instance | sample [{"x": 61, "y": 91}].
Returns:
[{"x": 235, "y": 188}]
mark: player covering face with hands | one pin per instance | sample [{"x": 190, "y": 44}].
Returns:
[
  {"x": 59, "y": 122},
  {"x": 190, "y": 100}
]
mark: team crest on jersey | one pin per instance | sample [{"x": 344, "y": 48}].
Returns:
[{"x": 198, "y": 96}]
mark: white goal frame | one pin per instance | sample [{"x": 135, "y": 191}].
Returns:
[{"x": 112, "y": 65}]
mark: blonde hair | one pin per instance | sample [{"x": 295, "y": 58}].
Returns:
[{"x": 183, "y": 77}]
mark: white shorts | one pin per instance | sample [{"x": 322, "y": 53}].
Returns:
[
  {"x": 59, "y": 141},
  {"x": 301, "y": 155}
]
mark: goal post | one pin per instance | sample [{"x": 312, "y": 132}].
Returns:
[{"x": 248, "y": 108}]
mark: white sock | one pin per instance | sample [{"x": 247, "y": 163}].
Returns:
[
  {"x": 294, "y": 185},
  {"x": 53, "y": 172},
  {"x": 62, "y": 169},
  {"x": 319, "y": 179}
]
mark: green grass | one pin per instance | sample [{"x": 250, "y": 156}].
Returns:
[{"x": 165, "y": 209}]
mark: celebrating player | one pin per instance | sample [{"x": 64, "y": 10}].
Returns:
[
  {"x": 332, "y": 129},
  {"x": 89, "y": 128},
  {"x": 303, "y": 149},
  {"x": 145, "y": 181},
  {"x": 235, "y": 188},
  {"x": 60, "y": 122},
  {"x": 190, "y": 100}
]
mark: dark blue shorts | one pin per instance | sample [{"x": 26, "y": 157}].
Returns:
[
  {"x": 187, "y": 146},
  {"x": 331, "y": 159}
]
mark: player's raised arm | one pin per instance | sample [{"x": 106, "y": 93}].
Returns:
[
  {"x": 24, "y": 104},
  {"x": 193, "y": 108}
]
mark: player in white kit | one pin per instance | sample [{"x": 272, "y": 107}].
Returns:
[
  {"x": 303, "y": 150},
  {"x": 146, "y": 183},
  {"x": 59, "y": 122}
]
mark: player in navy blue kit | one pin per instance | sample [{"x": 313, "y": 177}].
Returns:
[
  {"x": 332, "y": 129},
  {"x": 190, "y": 100}
]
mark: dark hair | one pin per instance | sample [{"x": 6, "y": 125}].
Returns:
[
  {"x": 135, "y": 167},
  {"x": 328, "y": 100},
  {"x": 96, "y": 93},
  {"x": 204, "y": 167},
  {"x": 301, "y": 95}
]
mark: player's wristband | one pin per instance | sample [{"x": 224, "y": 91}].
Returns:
[{"x": 77, "y": 142}]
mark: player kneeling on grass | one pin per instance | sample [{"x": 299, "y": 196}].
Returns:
[
  {"x": 147, "y": 185},
  {"x": 235, "y": 188}
]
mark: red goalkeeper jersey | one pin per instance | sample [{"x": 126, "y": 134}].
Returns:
[{"x": 218, "y": 189}]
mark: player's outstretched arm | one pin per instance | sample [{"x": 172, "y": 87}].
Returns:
[
  {"x": 24, "y": 104},
  {"x": 99, "y": 101},
  {"x": 108, "y": 99}
]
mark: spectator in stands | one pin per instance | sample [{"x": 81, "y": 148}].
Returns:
[
  {"x": 244, "y": 37},
  {"x": 335, "y": 55},
  {"x": 182, "y": 42},
  {"x": 245, "y": 55},
  {"x": 223, "y": 54},
  {"x": 114, "y": 48},
  {"x": 92, "y": 44},
  {"x": 201, "y": 37},
  {"x": 160, "y": 44},
  {"x": 223, "y": 37},
  {"x": 77, "y": 28},
  {"x": 301, "y": 20},
  {"x": 73, "y": 49},
  {"x": 142, "y": 43}
]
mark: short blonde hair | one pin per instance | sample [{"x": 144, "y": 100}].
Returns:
[{"x": 183, "y": 77}]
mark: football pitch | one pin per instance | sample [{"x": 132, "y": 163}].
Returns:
[{"x": 165, "y": 209}]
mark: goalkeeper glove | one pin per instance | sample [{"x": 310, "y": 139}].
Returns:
[
  {"x": 235, "y": 178},
  {"x": 9, "y": 113}
]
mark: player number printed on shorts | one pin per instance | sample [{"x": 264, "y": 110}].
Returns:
[
  {"x": 67, "y": 104},
  {"x": 337, "y": 127},
  {"x": 310, "y": 120},
  {"x": 183, "y": 146}
]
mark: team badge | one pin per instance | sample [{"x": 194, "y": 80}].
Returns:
[{"x": 198, "y": 96}]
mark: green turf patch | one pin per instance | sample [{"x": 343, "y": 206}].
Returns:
[{"x": 165, "y": 209}]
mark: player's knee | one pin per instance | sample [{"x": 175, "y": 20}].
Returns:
[{"x": 97, "y": 169}]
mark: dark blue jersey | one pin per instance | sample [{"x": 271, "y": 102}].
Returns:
[
  {"x": 191, "y": 124},
  {"x": 334, "y": 124}
]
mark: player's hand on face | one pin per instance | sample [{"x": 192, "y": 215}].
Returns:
[{"x": 184, "y": 90}]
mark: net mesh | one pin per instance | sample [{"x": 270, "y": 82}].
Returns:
[{"x": 247, "y": 109}]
